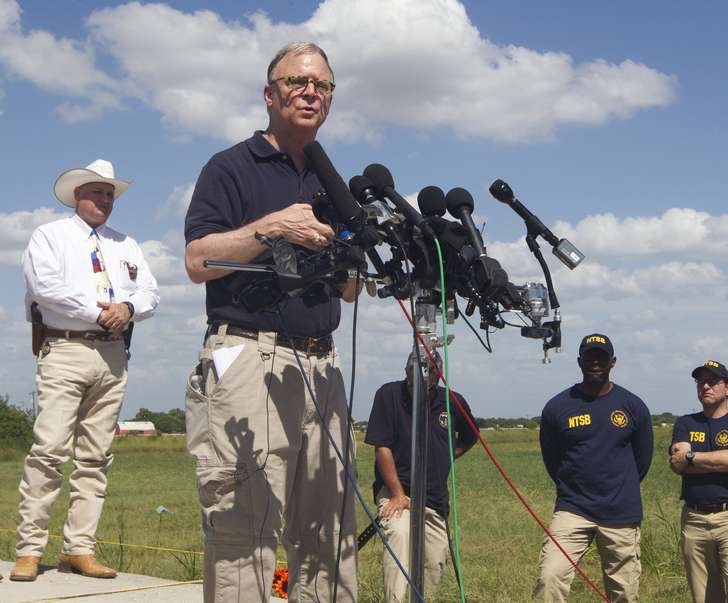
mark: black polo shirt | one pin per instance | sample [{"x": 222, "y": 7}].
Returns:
[
  {"x": 390, "y": 425},
  {"x": 240, "y": 185},
  {"x": 703, "y": 435}
]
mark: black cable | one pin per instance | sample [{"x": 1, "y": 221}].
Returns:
[
  {"x": 487, "y": 346},
  {"x": 351, "y": 478},
  {"x": 349, "y": 427}
]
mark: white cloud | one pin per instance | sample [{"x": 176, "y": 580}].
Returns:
[
  {"x": 56, "y": 65},
  {"x": 177, "y": 202},
  {"x": 164, "y": 264},
  {"x": 16, "y": 228},
  {"x": 677, "y": 230},
  {"x": 414, "y": 63}
]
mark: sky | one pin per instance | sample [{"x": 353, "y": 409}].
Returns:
[{"x": 607, "y": 119}]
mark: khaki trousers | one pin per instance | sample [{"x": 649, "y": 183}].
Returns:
[
  {"x": 80, "y": 387},
  {"x": 619, "y": 551},
  {"x": 704, "y": 546},
  {"x": 263, "y": 460},
  {"x": 397, "y": 531}
]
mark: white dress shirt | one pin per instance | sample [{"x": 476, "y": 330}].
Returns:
[{"x": 59, "y": 274}]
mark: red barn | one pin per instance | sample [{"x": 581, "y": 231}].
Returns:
[{"x": 142, "y": 428}]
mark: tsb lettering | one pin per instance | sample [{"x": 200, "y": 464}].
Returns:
[
  {"x": 579, "y": 421},
  {"x": 697, "y": 436}
]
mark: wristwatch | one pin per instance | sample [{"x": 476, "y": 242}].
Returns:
[
  {"x": 690, "y": 457},
  {"x": 130, "y": 305}
]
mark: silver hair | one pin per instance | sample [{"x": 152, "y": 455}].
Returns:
[{"x": 296, "y": 48}]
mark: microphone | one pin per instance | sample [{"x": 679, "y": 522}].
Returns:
[
  {"x": 460, "y": 205},
  {"x": 382, "y": 179},
  {"x": 349, "y": 211},
  {"x": 562, "y": 248},
  {"x": 363, "y": 190},
  {"x": 431, "y": 201},
  {"x": 490, "y": 275}
]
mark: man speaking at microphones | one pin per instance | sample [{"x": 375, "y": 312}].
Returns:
[{"x": 263, "y": 459}]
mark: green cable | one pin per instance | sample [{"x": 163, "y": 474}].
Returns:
[{"x": 456, "y": 531}]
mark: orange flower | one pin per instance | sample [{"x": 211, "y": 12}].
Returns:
[{"x": 280, "y": 582}]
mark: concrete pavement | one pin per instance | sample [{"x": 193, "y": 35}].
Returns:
[{"x": 52, "y": 586}]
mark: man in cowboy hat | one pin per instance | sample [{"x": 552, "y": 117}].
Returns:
[
  {"x": 85, "y": 284},
  {"x": 596, "y": 442},
  {"x": 699, "y": 453},
  {"x": 263, "y": 458}
]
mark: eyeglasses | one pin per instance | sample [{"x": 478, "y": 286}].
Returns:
[
  {"x": 298, "y": 83},
  {"x": 711, "y": 382}
]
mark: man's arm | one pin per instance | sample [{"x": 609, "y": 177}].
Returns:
[
  {"x": 703, "y": 462},
  {"x": 398, "y": 500},
  {"x": 550, "y": 449},
  {"x": 295, "y": 223},
  {"x": 643, "y": 443},
  {"x": 47, "y": 284}
]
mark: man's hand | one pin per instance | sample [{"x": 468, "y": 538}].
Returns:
[
  {"x": 395, "y": 506},
  {"x": 678, "y": 462},
  {"x": 297, "y": 224},
  {"x": 113, "y": 317}
]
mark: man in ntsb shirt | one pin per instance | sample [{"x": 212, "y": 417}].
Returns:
[
  {"x": 596, "y": 443},
  {"x": 699, "y": 452}
]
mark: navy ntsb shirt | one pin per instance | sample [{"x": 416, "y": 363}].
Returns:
[
  {"x": 240, "y": 185},
  {"x": 390, "y": 425},
  {"x": 597, "y": 450},
  {"x": 703, "y": 435}
]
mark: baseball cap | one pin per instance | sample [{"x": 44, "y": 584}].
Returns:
[
  {"x": 714, "y": 367},
  {"x": 596, "y": 341}
]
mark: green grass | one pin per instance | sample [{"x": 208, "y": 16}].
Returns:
[{"x": 500, "y": 542}]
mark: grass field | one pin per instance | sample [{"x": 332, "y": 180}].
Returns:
[{"x": 500, "y": 541}]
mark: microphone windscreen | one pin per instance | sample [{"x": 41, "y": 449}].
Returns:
[
  {"x": 380, "y": 176},
  {"x": 431, "y": 201},
  {"x": 358, "y": 185},
  {"x": 350, "y": 212},
  {"x": 501, "y": 191},
  {"x": 457, "y": 199}
]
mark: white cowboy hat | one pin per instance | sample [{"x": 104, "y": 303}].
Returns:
[{"x": 97, "y": 171}]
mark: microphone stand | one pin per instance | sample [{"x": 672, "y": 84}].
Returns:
[{"x": 425, "y": 321}]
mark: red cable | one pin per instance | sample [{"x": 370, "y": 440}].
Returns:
[{"x": 512, "y": 486}]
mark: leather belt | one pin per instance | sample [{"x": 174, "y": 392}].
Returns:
[
  {"x": 87, "y": 335},
  {"x": 311, "y": 346},
  {"x": 708, "y": 508}
]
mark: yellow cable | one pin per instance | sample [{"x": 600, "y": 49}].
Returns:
[
  {"x": 112, "y": 592},
  {"x": 136, "y": 546}
]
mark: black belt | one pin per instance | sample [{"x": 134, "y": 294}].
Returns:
[
  {"x": 87, "y": 335},
  {"x": 311, "y": 346},
  {"x": 708, "y": 508}
]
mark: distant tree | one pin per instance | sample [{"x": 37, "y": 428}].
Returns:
[
  {"x": 16, "y": 426},
  {"x": 172, "y": 421}
]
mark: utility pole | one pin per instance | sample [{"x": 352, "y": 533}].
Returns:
[{"x": 32, "y": 399}]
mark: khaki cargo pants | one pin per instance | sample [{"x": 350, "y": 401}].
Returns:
[
  {"x": 263, "y": 461},
  {"x": 619, "y": 551},
  {"x": 397, "y": 531},
  {"x": 80, "y": 387},
  {"x": 704, "y": 546}
]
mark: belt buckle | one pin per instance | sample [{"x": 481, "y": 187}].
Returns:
[{"x": 88, "y": 336}]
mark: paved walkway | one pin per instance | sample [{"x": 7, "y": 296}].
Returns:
[{"x": 52, "y": 585}]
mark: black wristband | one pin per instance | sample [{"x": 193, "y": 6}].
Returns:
[{"x": 130, "y": 305}]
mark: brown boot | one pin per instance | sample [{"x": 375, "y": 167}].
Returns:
[
  {"x": 85, "y": 565},
  {"x": 25, "y": 569}
]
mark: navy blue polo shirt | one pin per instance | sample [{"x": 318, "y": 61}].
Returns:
[
  {"x": 240, "y": 185},
  {"x": 390, "y": 425},
  {"x": 703, "y": 435},
  {"x": 596, "y": 451}
]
